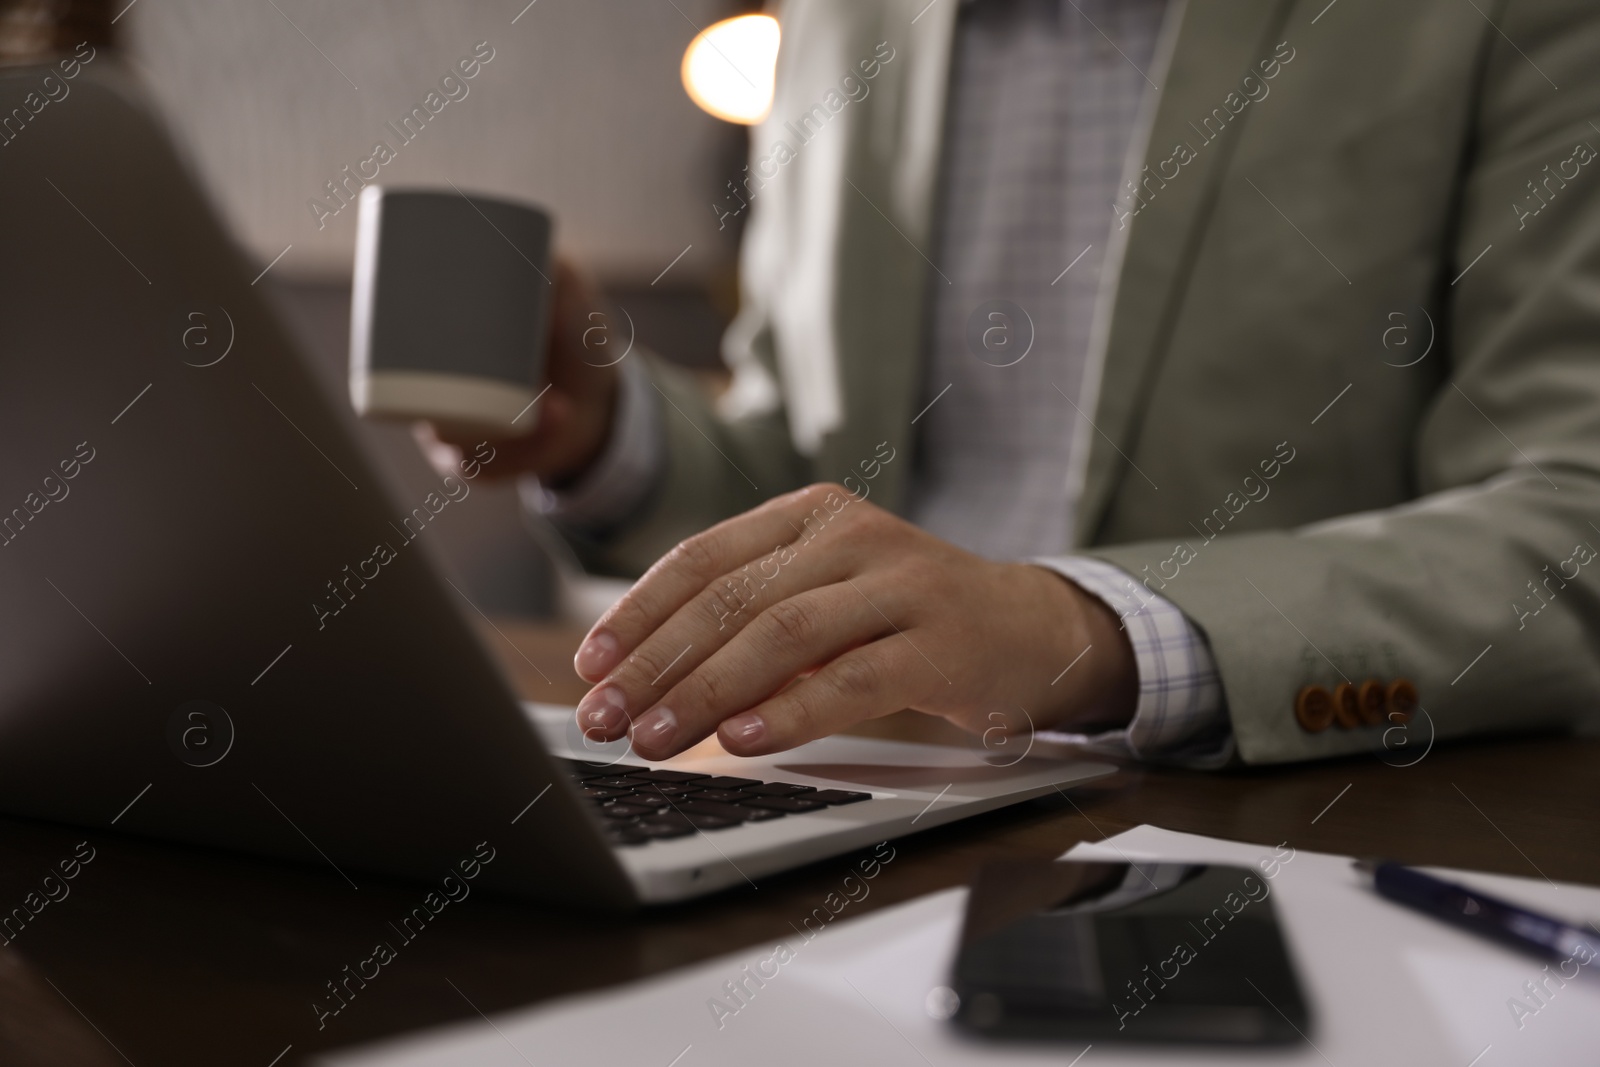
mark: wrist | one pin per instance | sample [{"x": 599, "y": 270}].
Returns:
[
  {"x": 1106, "y": 692},
  {"x": 1118, "y": 675}
]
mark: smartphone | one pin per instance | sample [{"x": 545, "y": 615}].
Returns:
[{"x": 1138, "y": 952}]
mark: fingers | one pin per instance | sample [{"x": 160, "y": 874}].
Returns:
[
  {"x": 543, "y": 450},
  {"x": 575, "y": 298},
  {"x": 442, "y": 455},
  {"x": 787, "y": 638},
  {"x": 712, "y": 616},
  {"x": 693, "y": 567},
  {"x": 587, "y": 337},
  {"x": 866, "y": 683}
]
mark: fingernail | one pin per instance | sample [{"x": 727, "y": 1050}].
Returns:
[
  {"x": 597, "y": 655},
  {"x": 656, "y": 729},
  {"x": 747, "y": 730},
  {"x": 604, "y": 711}
]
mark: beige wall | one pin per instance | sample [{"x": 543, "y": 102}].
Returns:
[{"x": 580, "y": 109}]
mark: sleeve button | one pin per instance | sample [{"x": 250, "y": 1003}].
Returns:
[
  {"x": 1401, "y": 700},
  {"x": 1346, "y": 706},
  {"x": 1370, "y": 699},
  {"x": 1313, "y": 709}
]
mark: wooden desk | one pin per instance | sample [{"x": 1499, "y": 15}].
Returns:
[{"x": 186, "y": 956}]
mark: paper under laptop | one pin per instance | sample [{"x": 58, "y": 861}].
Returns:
[{"x": 1386, "y": 985}]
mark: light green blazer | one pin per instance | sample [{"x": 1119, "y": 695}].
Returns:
[{"x": 1382, "y": 262}]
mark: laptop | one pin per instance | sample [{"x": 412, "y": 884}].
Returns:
[{"x": 197, "y": 644}]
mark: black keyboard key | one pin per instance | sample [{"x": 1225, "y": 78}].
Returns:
[
  {"x": 584, "y": 767},
  {"x": 761, "y": 814},
  {"x": 626, "y": 835},
  {"x": 647, "y": 798},
  {"x": 692, "y": 820},
  {"x": 663, "y": 827},
  {"x": 717, "y": 811},
  {"x": 834, "y": 797},
  {"x": 787, "y": 805},
  {"x": 722, "y": 796},
  {"x": 674, "y": 777},
  {"x": 666, "y": 789},
  {"x": 780, "y": 789},
  {"x": 617, "y": 782},
  {"x": 720, "y": 782},
  {"x": 621, "y": 810},
  {"x": 596, "y": 793}
]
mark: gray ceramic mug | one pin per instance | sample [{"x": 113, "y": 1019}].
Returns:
[{"x": 451, "y": 309}]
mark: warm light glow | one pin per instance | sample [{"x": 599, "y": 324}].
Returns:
[{"x": 728, "y": 68}]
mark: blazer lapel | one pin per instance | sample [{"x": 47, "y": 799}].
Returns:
[
  {"x": 1218, "y": 43},
  {"x": 887, "y": 214}
]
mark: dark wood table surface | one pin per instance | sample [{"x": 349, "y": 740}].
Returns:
[{"x": 164, "y": 954}]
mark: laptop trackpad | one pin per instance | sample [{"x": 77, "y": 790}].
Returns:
[{"x": 907, "y": 777}]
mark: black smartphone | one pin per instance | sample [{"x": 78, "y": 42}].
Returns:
[{"x": 1141, "y": 952}]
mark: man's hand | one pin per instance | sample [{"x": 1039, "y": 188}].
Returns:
[
  {"x": 574, "y": 415},
  {"x": 817, "y": 610}
]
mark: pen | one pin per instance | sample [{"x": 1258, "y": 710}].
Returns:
[{"x": 1477, "y": 912}]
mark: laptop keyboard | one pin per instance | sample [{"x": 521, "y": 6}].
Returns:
[{"x": 643, "y": 804}]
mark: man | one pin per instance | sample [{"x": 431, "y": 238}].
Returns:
[{"x": 1304, "y": 446}]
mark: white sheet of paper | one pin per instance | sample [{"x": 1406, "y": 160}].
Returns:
[{"x": 1386, "y": 986}]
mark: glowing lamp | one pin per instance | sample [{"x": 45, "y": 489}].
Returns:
[{"x": 728, "y": 68}]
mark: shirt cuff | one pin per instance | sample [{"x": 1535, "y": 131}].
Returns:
[
  {"x": 1180, "y": 716},
  {"x": 620, "y": 479}
]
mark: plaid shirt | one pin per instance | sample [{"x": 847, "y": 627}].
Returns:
[
  {"x": 1043, "y": 101},
  {"x": 1179, "y": 717}
]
